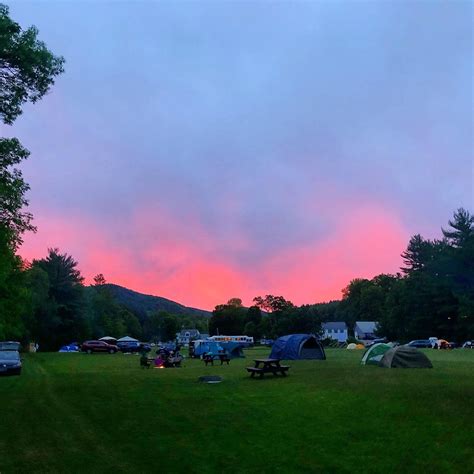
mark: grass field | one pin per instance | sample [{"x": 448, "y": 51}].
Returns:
[{"x": 102, "y": 413}]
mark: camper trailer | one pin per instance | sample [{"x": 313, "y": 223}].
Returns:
[{"x": 244, "y": 340}]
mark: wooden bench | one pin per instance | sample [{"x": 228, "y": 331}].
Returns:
[
  {"x": 209, "y": 359},
  {"x": 282, "y": 369}
]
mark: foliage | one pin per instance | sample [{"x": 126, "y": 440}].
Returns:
[
  {"x": 12, "y": 191},
  {"x": 228, "y": 318},
  {"x": 272, "y": 303},
  {"x": 27, "y": 70},
  {"x": 435, "y": 295},
  {"x": 13, "y": 294},
  {"x": 61, "y": 320},
  {"x": 27, "y": 67}
]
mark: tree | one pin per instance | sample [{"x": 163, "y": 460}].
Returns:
[
  {"x": 170, "y": 327},
  {"x": 228, "y": 318},
  {"x": 13, "y": 295},
  {"x": 27, "y": 67},
  {"x": 99, "y": 280},
  {"x": 12, "y": 191},
  {"x": 462, "y": 229},
  {"x": 66, "y": 302},
  {"x": 417, "y": 254},
  {"x": 27, "y": 70},
  {"x": 272, "y": 303}
]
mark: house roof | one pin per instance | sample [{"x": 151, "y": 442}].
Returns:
[
  {"x": 366, "y": 327},
  {"x": 332, "y": 325},
  {"x": 192, "y": 332}
]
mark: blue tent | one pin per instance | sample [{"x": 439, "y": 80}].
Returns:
[
  {"x": 201, "y": 347},
  {"x": 297, "y": 346},
  {"x": 69, "y": 348},
  {"x": 233, "y": 349}
]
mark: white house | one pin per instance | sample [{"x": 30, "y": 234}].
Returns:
[
  {"x": 335, "y": 330},
  {"x": 186, "y": 335}
]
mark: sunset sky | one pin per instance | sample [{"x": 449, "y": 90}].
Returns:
[{"x": 207, "y": 150}]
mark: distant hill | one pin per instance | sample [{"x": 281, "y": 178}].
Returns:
[{"x": 141, "y": 304}]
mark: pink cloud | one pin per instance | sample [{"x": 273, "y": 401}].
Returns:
[{"x": 180, "y": 259}]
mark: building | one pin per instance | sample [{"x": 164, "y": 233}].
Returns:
[
  {"x": 335, "y": 330},
  {"x": 365, "y": 330},
  {"x": 186, "y": 335}
]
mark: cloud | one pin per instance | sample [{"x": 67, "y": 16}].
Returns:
[{"x": 182, "y": 260}]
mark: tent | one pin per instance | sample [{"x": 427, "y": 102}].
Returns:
[
  {"x": 201, "y": 347},
  {"x": 69, "y": 348},
  {"x": 373, "y": 355},
  {"x": 233, "y": 349},
  {"x": 352, "y": 346},
  {"x": 297, "y": 346},
  {"x": 405, "y": 357},
  {"x": 109, "y": 339},
  {"x": 127, "y": 339}
]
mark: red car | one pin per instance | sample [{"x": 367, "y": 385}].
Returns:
[{"x": 98, "y": 346}]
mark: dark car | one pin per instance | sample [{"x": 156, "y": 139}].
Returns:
[
  {"x": 420, "y": 343},
  {"x": 10, "y": 362},
  {"x": 133, "y": 346},
  {"x": 98, "y": 346}
]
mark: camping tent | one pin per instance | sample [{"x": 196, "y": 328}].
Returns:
[
  {"x": 109, "y": 339},
  {"x": 352, "y": 346},
  {"x": 233, "y": 349},
  {"x": 201, "y": 347},
  {"x": 405, "y": 357},
  {"x": 297, "y": 346},
  {"x": 69, "y": 348},
  {"x": 373, "y": 355},
  {"x": 127, "y": 339}
]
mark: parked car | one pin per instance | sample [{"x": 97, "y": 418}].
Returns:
[
  {"x": 10, "y": 362},
  {"x": 420, "y": 343},
  {"x": 9, "y": 346},
  {"x": 376, "y": 341},
  {"x": 132, "y": 346},
  {"x": 98, "y": 346}
]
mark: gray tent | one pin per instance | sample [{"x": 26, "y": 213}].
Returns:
[
  {"x": 127, "y": 339},
  {"x": 405, "y": 357}
]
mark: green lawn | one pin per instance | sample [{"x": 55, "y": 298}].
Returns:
[{"x": 102, "y": 413}]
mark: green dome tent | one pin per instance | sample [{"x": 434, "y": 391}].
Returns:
[
  {"x": 373, "y": 355},
  {"x": 405, "y": 357}
]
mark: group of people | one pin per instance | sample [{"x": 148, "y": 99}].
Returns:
[{"x": 165, "y": 358}]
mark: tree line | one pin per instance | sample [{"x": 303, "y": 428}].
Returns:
[{"x": 433, "y": 295}]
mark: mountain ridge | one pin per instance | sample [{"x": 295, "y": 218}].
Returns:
[{"x": 141, "y": 303}]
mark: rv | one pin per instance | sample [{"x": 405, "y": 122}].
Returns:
[{"x": 244, "y": 340}]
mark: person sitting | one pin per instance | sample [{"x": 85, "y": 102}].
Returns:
[
  {"x": 144, "y": 362},
  {"x": 159, "y": 362}
]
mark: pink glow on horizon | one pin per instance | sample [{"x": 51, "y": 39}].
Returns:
[{"x": 186, "y": 263}]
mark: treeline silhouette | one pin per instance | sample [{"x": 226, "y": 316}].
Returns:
[
  {"x": 433, "y": 295},
  {"x": 46, "y": 300}
]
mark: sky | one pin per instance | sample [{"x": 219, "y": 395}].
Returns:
[{"x": 207, "y": 150}]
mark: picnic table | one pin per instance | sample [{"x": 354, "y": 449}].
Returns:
[
  {"x": 209, "y": 358},
  {"x": 264, "y": 366}
]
